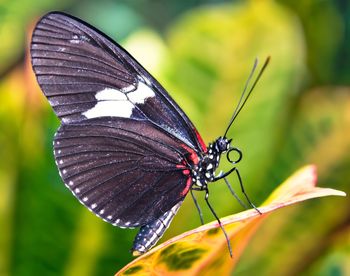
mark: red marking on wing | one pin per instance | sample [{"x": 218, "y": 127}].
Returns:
[
  {"x": 201, "y": 142},
  {"x": 188, "y": 186},
  {"x": 186, "y": 172},
  {"x": 193, "y": 155}
]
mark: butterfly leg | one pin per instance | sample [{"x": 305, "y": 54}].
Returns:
[
  {"x": 217, "y": 218},
  {"x": 243, "y": 191},
  {"x": 223, "y": 175},
  {"x": 234, "y": 194},
  {"x": 197, "y": 206},
  {"x": 234, "y": 169}
]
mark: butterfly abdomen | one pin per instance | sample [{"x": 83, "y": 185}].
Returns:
[{"x": 150, "y": 234}]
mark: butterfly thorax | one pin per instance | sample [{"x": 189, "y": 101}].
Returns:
[{"x": 204, "y": 172}]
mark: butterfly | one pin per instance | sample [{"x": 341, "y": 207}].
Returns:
[{"x": 124, "y": 148}]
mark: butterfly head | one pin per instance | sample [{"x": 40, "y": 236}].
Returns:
[{"x": 222, "y": 144}]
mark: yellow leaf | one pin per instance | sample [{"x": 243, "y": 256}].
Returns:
[{"x": 204, "y": 250}]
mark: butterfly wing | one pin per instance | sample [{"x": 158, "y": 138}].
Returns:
[
  {"x": 85, "y": 75},
  {"x": 125, "y": 171}
]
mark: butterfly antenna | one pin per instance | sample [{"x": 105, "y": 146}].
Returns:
[{"x": 245, "y": 95}]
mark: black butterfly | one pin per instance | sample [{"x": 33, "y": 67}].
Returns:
[{"x": 124, "y": 148}]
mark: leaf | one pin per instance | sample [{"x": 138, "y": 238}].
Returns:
[
  {"x": 204, "y": 249},
  {"x": 318, "y": 133}
]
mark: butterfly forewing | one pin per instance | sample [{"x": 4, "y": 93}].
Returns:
[
  {"x": 123, "y": 170},
  {"x": 86, "y": 75}
]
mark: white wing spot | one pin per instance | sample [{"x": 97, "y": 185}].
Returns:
[
  {"x": 109, "y": 217},
  {"x": 102, "y": 211},
  {"x": 142, "y": 92},
  {"x": 59, "y": 151},
  {"x": 110, "y": 94},
  {"x": 64, "y": 171},
  {"x": 128, "y": 88},
  {"x": 110, "y": 102},
  {"x": 85, "y": 199},
  {"x": 78, "y": 39},
  {"x": 93, "y": 206},
  {"x": 77, "y": 190},
  {"x": 114, "y": 102},
  {"x": 127, "y": 223},
  {"x": 117, "y": 221},
  {"x": 75, "y": 39},
  {"x": 110, "y": 108},
  {"x": 70, "y": 183},
  {"x": 61, "y": 161}
]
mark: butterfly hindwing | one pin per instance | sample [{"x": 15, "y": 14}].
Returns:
[
  {"x": 123, "y": 170},
  {"x": 85, "y": 75}
]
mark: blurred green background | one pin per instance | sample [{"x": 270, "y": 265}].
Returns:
[{"x": 202, "y": 52}]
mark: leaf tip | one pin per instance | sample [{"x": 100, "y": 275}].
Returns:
[
  {"x": 313, "y": 171},
  {"x": 340, "y": 193}
]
